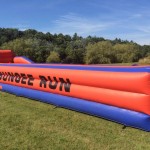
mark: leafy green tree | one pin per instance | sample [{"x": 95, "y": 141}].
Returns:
[
  {"x": 76, "y": 37},
  {"x": 145, "y": 50},
  {"x": 76, "y": 49},
  {"x": 36, "y": 49},
  {"x": 75, "y": 52},
  {"x": 93, "y": 40},
  {"x": 99, "y": 53},
  {"x": 8, "y": 34},
  {"x": 145, "y": 61},
  {"x": 49, "y": 37},
  {"x": 53, "y": 57},
  {"x": 128, "y": 52},
  {"x": 30, "y": 33}
]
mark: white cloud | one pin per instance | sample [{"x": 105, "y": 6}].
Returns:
[
  {"x": 71, "y": 23},
  {"x": 140, "y": 38},
  {"x": 144, "y": 29}
]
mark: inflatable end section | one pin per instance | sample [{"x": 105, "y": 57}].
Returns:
[
  {"x": 22, "y": 60},
  {"x": 6, "y": 56}
]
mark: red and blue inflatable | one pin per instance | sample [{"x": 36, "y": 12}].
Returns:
[{"x": 116, "y": 93}]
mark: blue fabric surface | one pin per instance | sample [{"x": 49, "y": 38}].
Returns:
[
  {"x": 99, "y": 68},
  {"x": 123, "y": 116}
]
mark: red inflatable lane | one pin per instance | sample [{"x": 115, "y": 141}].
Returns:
[{"x": 123, "y": 81}]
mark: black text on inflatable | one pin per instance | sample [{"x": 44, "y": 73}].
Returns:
[{"x": 45, "y": 82}]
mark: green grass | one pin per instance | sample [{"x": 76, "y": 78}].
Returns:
[{"x": 31, "y": 125}]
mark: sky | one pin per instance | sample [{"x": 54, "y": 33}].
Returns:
[{"x": 125, "y": 19}]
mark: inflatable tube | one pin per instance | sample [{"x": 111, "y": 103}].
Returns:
[
  {"x": 128, "y": 81},
  {"x": 123, "y": 99},
  {"x": 93, "y": 68},
  {"x": 123, "y": 116},
  {"x": 22, "y": 60}
]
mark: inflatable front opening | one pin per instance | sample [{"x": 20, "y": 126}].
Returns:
[{"x": 116, "y": 93}]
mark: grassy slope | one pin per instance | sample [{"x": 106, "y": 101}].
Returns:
[{"x": 28, "y": 124}]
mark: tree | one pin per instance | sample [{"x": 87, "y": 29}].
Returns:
[
  {"x": 99, "y": 53},
  {"x": 75, "y": 52},
  {"x": 36, "y": 49},
  {"x": 76, "y": 37},
  {"x": 145, "y": 61},
  {"x": 53, "y": 57},
  {"x": 126, "y": 53},
  {"x": 145, "y": 50},
  {"x": 30, "y": 33},
  {"x": 71, "y": 49},
  {"x": 9, "y": 34}
]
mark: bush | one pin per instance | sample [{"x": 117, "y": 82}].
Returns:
[
  {"x": 53, "y": 57},
  {"x": 145, "y": 60},
  {"x": 126, "y": 53},
  {"x": 99, "y": 53}
]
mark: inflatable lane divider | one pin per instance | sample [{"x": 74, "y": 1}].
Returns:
[
  {"x": 127, "y": 81},
  {"x": 22, "y": 60},
  {"x": 119, "y": 115},
  {"x": 123, "y": 99},
  {"x": 80, "y": 65},
  {"x": 109, "y": 69},
  {"x": 87, "y": 65}
]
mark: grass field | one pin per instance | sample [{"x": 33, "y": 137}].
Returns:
[{"x": 31, "y": 125}]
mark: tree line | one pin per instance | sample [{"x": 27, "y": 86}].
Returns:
[{"x": 58, "y": 48}]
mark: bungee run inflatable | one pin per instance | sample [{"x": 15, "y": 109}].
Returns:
[{"x": 117, "y": 93}]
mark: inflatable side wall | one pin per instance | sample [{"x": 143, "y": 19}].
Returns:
[
  {"x": 7, "y": 56},
  {"x": 120, "y": 94}
]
